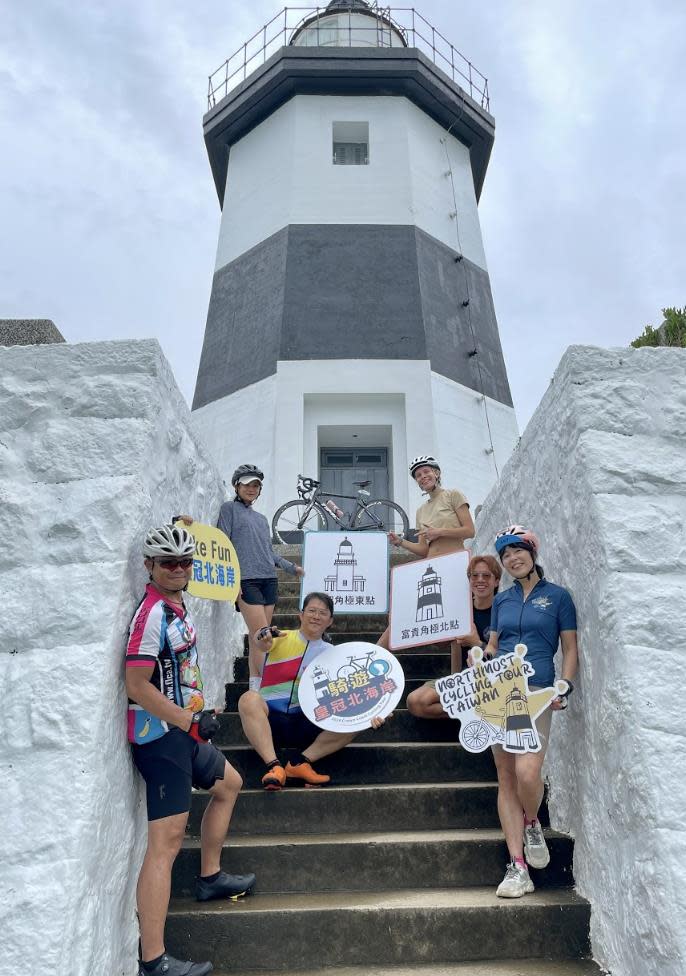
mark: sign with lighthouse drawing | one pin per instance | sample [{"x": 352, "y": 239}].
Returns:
[
  {"x": 351, "y": 567},
  {"x": 493, "y": 702},
  {"x": 430, "y": 601}
]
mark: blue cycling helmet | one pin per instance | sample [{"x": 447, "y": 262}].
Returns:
[{"x": 518, "y": 536}]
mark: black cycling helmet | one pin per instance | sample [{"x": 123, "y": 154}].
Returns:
[{"x": 248, "y": 471}]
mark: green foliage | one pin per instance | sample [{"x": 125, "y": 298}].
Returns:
[{"x": 671, "y": 333}]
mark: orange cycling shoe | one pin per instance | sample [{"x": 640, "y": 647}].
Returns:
[
  {"x": 307, "y": 774},
  {"x": 274, "y": 778}
]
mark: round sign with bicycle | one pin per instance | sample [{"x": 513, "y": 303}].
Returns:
[{"x": 349, "y": 685}]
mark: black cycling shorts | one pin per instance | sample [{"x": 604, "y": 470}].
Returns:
[
  {"x": 260, "y": 592},
  {"x": 171, "y": 766},
  {"x": 292, "y": 730}
]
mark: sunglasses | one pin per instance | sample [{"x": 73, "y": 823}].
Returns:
[{"x": 174, "y": 563}]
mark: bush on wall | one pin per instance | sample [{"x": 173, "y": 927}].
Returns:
[{"x": 672, "y": 332}]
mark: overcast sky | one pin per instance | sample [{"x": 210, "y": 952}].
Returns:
[{"x": 110, "y": 218}]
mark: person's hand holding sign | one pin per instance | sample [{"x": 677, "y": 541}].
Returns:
[{"x": 377, "y": 721}]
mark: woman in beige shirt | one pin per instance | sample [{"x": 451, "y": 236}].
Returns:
[{"x": 443, "y": 521}]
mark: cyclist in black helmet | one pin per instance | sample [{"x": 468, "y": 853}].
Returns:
[{"x": 249, "y": 531}]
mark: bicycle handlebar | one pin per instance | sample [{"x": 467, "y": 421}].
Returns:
[{"x": 306, "y": 485}]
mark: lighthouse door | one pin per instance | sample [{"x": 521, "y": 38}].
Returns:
[{"x": 341, "y": 468}]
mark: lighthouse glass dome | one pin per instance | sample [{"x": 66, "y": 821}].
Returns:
[{"x": 347, "y": 28}]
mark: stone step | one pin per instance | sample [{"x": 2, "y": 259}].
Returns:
[
  {"x": 288, "y": 600},
  {"x": 387, "y": 762},
  {"x": 416, "y": 806},
  {"x": 410, "y": 859},
  {"x": 237, "y": 688},
  {"x": 371, "y": 637},
  {"x": 375, "y": 928},
  {"x": 507, "y": 967},
  {"x": 294, "y": 554},
  {"x": 353, "y": 624},
  {"x": 415, "y": 665},
  {"x": 403, "y": 727}
]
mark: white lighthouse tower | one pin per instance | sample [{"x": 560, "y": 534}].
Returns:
[{"x": 351, "y": 325}]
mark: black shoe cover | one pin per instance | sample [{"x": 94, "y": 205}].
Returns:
[
  {"x": 226, "y": 886},
  {"x": 168, "y": 966}
]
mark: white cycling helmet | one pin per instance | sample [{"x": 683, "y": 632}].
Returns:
[
  {"x": 421, "y": 461},
  {"x": 169, "y": 540}
]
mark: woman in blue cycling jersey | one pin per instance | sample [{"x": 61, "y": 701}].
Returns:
[{"x": 539, "y": 614}]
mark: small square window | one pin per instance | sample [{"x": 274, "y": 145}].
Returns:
[{"x": 350, "y": 143}]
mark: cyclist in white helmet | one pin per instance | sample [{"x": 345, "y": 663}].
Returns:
[
  {"x": 443, "y": 523},
  {"x": 169, "y": 729}
]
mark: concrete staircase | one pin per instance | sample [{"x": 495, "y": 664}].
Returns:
[{"x": 390, "y": 870}]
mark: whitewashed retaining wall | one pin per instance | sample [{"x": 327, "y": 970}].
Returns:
[
  {"x": 96, "y": 444},
  {"x": 600, "y": 473}
]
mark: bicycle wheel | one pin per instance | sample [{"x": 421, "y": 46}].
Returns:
[
  {"x": 474, "y": 736},
  {"x": 382, "y": 515},
  {"x": 292, "y": 520}
]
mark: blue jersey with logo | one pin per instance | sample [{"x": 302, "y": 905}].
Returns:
[{"x": 536, "y": 622}]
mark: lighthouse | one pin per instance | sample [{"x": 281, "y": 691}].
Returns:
[
  {"x": 351, "y": 325},
  {"x": 344, "y": 579},
  {"x": 520, "y": 731},
  {"x": 429, "y": 596}
]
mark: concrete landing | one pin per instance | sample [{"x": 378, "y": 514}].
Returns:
[{"x": 524, "y": 967}]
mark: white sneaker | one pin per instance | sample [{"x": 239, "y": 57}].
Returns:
[
  {"x": 515, "y": 883},
  {"x": 535, "y": 848}
]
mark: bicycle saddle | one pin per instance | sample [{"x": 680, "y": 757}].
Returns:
[{"x": 361, "y": 484}]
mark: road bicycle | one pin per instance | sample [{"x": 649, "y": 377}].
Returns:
[
  {"x": 363, "y": 665},
  {"x": 315, "y": 511}
]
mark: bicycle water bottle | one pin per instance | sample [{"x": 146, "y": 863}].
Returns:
[{"x": 333, "y": 507}]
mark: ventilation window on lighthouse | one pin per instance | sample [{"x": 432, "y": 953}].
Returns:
[{"x": 350, "y": 143}]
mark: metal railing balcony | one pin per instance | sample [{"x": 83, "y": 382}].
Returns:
[{"x": 311, "y": 26}]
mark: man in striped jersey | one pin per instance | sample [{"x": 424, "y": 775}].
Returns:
[
  {"x": 272, "y": 717},
  {"x": 169, "y": 731}
]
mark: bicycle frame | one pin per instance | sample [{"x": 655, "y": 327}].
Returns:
[
  {"x": 316, "y": 506},
  {"x": 346, "y": 523}
]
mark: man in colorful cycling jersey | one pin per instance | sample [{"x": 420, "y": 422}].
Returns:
[
  {"x": 272, "y": 717},
  {"x": 169, "y": 731}
]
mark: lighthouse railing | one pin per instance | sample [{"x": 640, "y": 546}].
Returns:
[{"x": 414, "y": 29}]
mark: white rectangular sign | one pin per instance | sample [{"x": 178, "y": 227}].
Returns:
[
  {"x": 431, "y": 601},
  {"x": 352, "y": 567}
]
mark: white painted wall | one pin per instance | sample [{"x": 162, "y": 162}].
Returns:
[
  {"x": 282, "y": 173},
  {"x": 275, "y": 423},
  {"x": 600, "y": 474},
  {"x": 463, "y": 442},
  {"x": 240, "y": 429},
  {"x": 349, "y": 379},
  {"x": 96, "y": 445}
]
